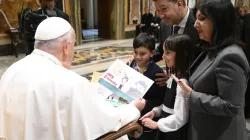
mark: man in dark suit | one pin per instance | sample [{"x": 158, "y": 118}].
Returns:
[
  {"x": 33, "y": 19},
  {"x": 245, "y": 38},
  {"x": 145, "y": 24},
  {"x": 177, "y": 18},
  {"x": 48, "y": 7}
]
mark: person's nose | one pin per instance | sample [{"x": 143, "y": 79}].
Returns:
[
  {"x": 196, "y": 24},
  {"x": 163, "y": 56},
  {"x": 162, "y": 16},
  {"x": 137, "y": 56}
]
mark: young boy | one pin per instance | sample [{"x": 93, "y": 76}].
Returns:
[{"x": 144, "y": 48}]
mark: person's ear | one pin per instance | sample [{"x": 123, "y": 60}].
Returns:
[
  {"x": 152, "y": 53},
  {"x": 65, "y": 50},
  {"x": 180, "y": 3}
]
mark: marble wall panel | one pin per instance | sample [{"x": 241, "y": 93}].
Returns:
[
  {"x": 135, "y": 10},
  {"x": 10, "y": 9}
]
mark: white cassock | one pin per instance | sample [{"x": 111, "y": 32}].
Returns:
[{"x": 41, "y": 100}]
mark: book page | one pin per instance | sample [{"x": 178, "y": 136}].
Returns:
[{"x": 124, "y": 83}]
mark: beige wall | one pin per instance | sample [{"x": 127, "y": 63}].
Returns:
[
  {"x": 246, "y": 3},
  {"x": 10, "y": 9}
]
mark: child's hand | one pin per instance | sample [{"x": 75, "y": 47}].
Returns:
[
  {"x": 150, "y": 123},
  {"x": 149, "y": 115}
]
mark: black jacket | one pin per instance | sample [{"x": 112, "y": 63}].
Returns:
[{"x": 147, "y": 19}]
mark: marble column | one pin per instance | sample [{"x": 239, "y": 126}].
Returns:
[
  {"x": 73, "y": 10},
  {"x": 95, "y": 14},
  {"x": 117, "y": 17},
  {"x": 90, "y": 14}
]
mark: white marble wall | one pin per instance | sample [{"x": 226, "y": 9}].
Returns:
[
  {"x": 134, "y": 12},
  {"x": 191, "y": 3},
  {"x": 246, "y": 3}
]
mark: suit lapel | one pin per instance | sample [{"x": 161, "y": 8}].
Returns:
[
  {"x": 189, "y": 28},
  {"x": 169, "y": 31},
  {"x": 204, "y": 65}
]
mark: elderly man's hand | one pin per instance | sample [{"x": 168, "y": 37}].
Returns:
[{"x": 139, "y": 103}]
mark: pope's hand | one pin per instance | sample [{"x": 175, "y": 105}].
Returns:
[
  {"x": 149, "y": 115},
  {"x": 139, "y": 103}
]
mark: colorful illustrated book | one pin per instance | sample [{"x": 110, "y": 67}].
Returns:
[{"x": 121, "y": 84}]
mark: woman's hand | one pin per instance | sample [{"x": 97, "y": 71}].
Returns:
[
  {"x": 187, "y": 89},
  {"x": 150, "y": 115},
  {"x": 149, "y": 123}
]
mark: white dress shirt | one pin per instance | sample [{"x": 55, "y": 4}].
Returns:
[
  {"x": 182, "y": 25},
  {"x": 179, "y": 115}
]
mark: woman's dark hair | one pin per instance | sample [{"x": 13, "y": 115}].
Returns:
[
  {"x": 183, "y": 46},
  {"x": 145, "y": 40},
  {"x": 222, "y": 14}
]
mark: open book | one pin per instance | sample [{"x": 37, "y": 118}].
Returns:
[{"x": 121, "y": 84}]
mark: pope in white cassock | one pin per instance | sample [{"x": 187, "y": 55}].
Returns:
[{"x": 41, "y": 99}]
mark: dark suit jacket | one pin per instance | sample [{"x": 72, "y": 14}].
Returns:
[
  {"x": 166, "y": 31},
  {"x": 62, "y": 14},
  {"x": 59, "y": 13},
  {"x": 246, "y": 30},
  {"x": 246, "y": 39},
  {"x": 217, "y": 100},
  {"x": 147, "y": 19}
]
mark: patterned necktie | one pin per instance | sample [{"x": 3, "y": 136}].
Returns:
[{"x": 176, "y": 29}]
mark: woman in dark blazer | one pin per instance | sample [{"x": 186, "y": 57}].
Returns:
[{"x": 218, "y": 77}]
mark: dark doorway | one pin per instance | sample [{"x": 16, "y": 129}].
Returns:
[{"x": 89, "y": 20}]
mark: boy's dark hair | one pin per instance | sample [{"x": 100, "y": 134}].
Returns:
[
  {"x": 145, "y": 40},
  {"x": 183, "y": 46}
]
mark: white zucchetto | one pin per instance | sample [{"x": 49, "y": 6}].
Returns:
[{"x": 52, "y": 28}]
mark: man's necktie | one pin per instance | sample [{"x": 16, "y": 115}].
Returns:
[{"x": 176, "y": 29}]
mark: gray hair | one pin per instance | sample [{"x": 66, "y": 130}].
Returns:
[{"x": 53, "y": 45}]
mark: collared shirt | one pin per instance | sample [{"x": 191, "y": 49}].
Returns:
[
  {"x": 183, "y": 23},
  {"x": 138, "y": 69}
]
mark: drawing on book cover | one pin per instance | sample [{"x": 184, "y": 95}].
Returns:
[{"x": 122, "y": 84}]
